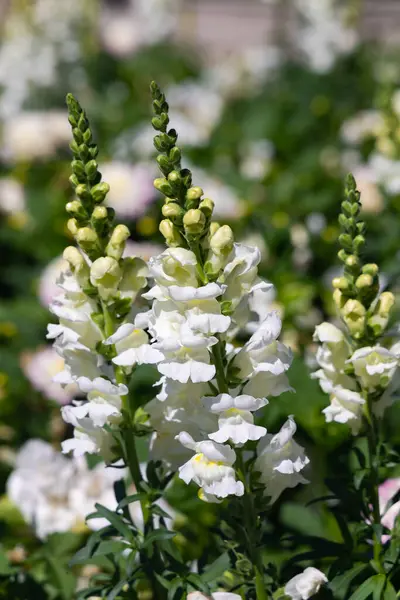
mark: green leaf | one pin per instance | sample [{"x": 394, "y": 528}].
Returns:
[
  {"x": 116, "y": 590},
  {"x": 340, "y": 584},
  {"x": 110, "y": 547},
  {"x": 365, "y": 590},
  {"x": 158, "y": 536},
  {"x": 380, "y": 581},
  {"x": 390, "y": 592},
  {"x": 116, "y": 520},
  {"x": 63, "y": 580},
  {"x": 217, "y": 568},
  {"x": 174, "y": 586},
  {"x": 131, "y": 499}
]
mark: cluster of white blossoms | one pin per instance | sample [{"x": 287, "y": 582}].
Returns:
[
  {"x": 190, "y": 323},
  {"x": 54, "y": 493},
  {"x": 348, "y": 374},
  {"x": 78, "y": 336}
]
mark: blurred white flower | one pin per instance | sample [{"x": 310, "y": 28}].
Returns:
[
  {"x": 12, "y": 197},
  {"x": 322, "y": 33},
  {"x": 366, "y": 123},
  {"x": 48, "y": 288},
  {"x": 54, "y": 493},
  {"x": 40, "y": 367},
  {"x": 32, "y": 135},
  {"x": 372, "y": 200},
  {"x": 125, "y": 29},
  {"x": 306, "y": 584},
  {"x": 256, "y": 160},
  {"x": 131, "y": 187}
]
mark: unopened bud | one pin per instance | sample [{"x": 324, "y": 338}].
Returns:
[
  {"x": 76, "y": 209},
  {"x": 100, "y": 191},
  {"x": 354, "y": 313},
  {"x": 100, "y": 213},
  {"x": 358, "y": 242},
  {"x": 385, "y": 303},
  {"x": 88, "y": 240},
  {"x": 370, "y": 269},
  {"x": 346, "y": 241},
  {"x": 170, "y": 233},
  {"x": 340, "y": 283},
  {"x": 172, "y": 210},
  {"x": 105, "y": 274},
  {"x": 83, "y": 192},
  {"x": 194, "y": 193},
  {"x": 214, "y": 226},
  {"x": 207, "y": 206},
  {"x": 194, "y": 221},
  {"x": 74, "y": 257},
  {"x": 162, "y": 185},
  {"x": 91, "y": 169},
  {"x": 116, "y": 245},
  {"x": 338, "y": 299},
  {"x": 222, "y": 241},
  {"x": 174, "y": 177},
  {"x": 352, "y": 261},
  {"x": 72, "y": 226},
  {"x": 364, "y": 281}
]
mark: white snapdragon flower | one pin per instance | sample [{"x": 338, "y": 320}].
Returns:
[
  {"x": 175, "y": 266},
  {"x": 306, "y": 584},
  {"x": 132, "y": 347},
  {"x": 235, "y": 422},
  {"x": 263, "y": 361},
  {"x": 177, "y": 407},
  {"x": 280, "y": 461},
  {"x": 240, "y": 274},
  {"x": 210, "y": 467},
  {"x": 374, "y": 366},
  {"x": 331, "y": 357},
  {"x": 54, "y": 493},
  {"x": 346, "y": 406}
]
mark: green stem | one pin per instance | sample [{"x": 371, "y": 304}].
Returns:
[
  {"x": 250, "y": 520},
  {"x": 219, "y": 367},
  {"x": 374, "y": 476}
]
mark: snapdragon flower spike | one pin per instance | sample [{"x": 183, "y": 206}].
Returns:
[
  {"x": 210, "y": 467},
  {"x": 357, "y": 365}
]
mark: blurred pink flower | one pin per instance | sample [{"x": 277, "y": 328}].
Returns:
[
  {"x": 387, "y": 491},
  {"x": 48, "y": 288},
  {"x": 40, "y": 367},
  {"x": 131, "y": 187}
]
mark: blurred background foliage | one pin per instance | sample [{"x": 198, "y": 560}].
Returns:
[{"x": 269, "y": 128}]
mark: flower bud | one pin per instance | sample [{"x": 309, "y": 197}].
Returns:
[
  {"x": 78, "y": 169},
  {"x": 72, "y": 226},
  {"x": 171, "y": 233},
  {"x": 358, "y": 242},
  {"x": 354, "y": 313},
  {"x": 222, "y": 241},
  {"x": 340, "y": 283},
  {"x": 174, "y": 177},
  {"x": 91, "y": 169},
  {"x": 162, "y": 185},
  {"x": 87, "y": 239},
  {"x": 100, "y": 213},
  {"x": 370, "y": 269},
  {"x": 194, "y": 193},
  {"x": 78, "y": 265},
  {"x": 352, "y": 261},
  {"x": 105, "y": 274},
  {"x": 75, "y": 208},
  {"x": 194, "y": 221},
  {"x": 116, "y": 245},
  {"x": 83, "y": 192},
  {"x": 134, "y": 277},
  {"x": 338, "y": 299},
  {"x": 364, "y": 281},
  {"x": 100, "y": 191},
  {"x": 214, "y": 226},
  {"x": 385, "y": 303},
  {"x": 207, "y": 206},
  {"x": 172, "y": 210}
]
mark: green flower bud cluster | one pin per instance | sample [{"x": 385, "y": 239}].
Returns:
[
  {"x": 90, "y": 222},
  {"x": 356, "y": 292},
  {"x": 187, "y": 215},
  {"x": 113, "y": 279}
]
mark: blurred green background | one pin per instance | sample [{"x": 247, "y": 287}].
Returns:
[{"x": 273, "y": 102}]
